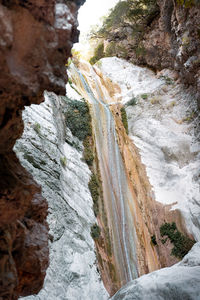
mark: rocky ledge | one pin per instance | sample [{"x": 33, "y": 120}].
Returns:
[{"x": 35, "y": 40}]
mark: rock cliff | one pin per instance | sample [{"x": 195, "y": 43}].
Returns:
[
  {"x": 166, "y": 34},
  {"x": 36, "y": 39}
]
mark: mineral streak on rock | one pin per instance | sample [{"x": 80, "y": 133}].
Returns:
[{"x": 35, "y": 40}]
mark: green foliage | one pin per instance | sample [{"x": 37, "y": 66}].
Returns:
[
  {"x": 69, "y": 61},
  {"x": 131, "y": 11},
  {"x": 168, "y": 80},
  {"x": 63, "y": 161},
  {"x": 98, "y": 54},
  {"x": 182, "y": 244},
  {"x": 110, "y": 49},
  {"x": 78, "y": 118},
  {"x": 186, "y": 3},
  {"x": 144, "y": 96},
  {"x": 70, "y": 81},
  {"x": 95, "y": 231},
  {"x": 94, "y": 190},
  {"x": 121, "y": 51},
  {"x": 88, "y": 151},
  {"x": 134, "y": 14},
  {"x": 124, "y": 119},
  {"x": 153, "y": 240},
  {"x": 115, "y": 16},
  {"x": 132, "y": 102},
  {"x": 189, "y": 117},
  {"x": 140, "y": 50},
  {"x": 163, "y": 241},
  {"x": 37, "y": 127}
]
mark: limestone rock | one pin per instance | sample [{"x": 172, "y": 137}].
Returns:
[{"x": 49, "y": 151}]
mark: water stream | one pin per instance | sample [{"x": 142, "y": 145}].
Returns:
[{"x": 116, "y": 192}]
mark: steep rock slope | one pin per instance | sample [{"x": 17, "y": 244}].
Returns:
[
  {"x": 35, "y": 39},
  {"x": 178, "y": 282},
  {"x": 46, "y": 150}
]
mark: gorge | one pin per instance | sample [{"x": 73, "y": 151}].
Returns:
[{"x": 117, "y": 157}]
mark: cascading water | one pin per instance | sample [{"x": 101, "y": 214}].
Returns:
[{"x": 117, "y": 195}]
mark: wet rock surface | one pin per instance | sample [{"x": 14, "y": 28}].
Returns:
[{"x": 36, "y": 39}]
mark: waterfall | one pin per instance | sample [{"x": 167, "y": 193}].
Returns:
[{"x": 117, "y": 195}]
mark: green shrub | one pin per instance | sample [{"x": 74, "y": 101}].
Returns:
[
  {"x": 124, "y": 119},
  {"x": 144, "y": 96},
  {"x": 136, "y": 12},
  {"x": 140, "y": 51},
  {"x": 63, "y": 161},
  {"x": 168, "y": 80},
  {"x": 153, "y": 240},
  {"x": 98, "y": 54},
  {"x": 186, "y": 3},
  {"x": 37, "y": 127},
  {"x": 88, "y": 151},
  {"x": 121, "y": 51},
  {"x": 95, "y": 231},
  {"x": 132, "y": 102},
  {"x": 78, "y": 118},
  {"x": 94, "y": 190},
  {"x": 163, "y": 241},
  {"x": 182, "y": 244},
  {"x": 110, "y": 49}
]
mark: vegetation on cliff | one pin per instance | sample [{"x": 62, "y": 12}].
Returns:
[
  {"x": 78, "y": 118},
  {"x": 157, "y": 34},
  {"x": 95, "y": 231},
  {"x": 124, "y": 119},
  {"x": 182, "y": 244},
  {"x": 94, "y": 190},
  {"x": 131, "y": 15}
]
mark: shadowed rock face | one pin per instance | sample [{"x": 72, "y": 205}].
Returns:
[
  {"x": 173, "y": 41},
  {"x": 170, "y": 40},
  {"x": 35, "y": 41}
]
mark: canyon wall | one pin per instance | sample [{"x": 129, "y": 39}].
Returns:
[
  {"x": 49, "y": 151},
  {"x": 36, "y": 40}
]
